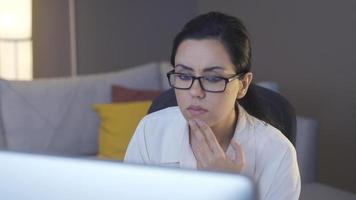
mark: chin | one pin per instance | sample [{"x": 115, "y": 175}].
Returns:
[{"x": 205, "y": 118}]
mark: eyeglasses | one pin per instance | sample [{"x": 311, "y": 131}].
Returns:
[{"x": 210, "y": 83}]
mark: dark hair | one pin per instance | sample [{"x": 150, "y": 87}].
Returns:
[{"x": 229, "y": 30}]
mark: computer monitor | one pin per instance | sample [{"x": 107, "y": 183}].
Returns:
[{"x": 28, "y": 176}]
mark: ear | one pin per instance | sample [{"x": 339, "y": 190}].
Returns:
[{"x": 245, "y": 83}]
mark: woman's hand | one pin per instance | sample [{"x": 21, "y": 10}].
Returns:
[{"x": 208, "y": 151}]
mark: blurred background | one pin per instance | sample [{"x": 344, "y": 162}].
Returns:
[{"x": 306, "y": 46}]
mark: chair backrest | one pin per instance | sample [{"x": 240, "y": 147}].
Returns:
[{"x": 260, "y": 102}]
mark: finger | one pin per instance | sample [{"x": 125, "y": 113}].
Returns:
[
  {"x": 199, "y": 145},
  {"x": 210, "y": 137},
  {"x": 195, "y": 132},
  {"x": 198, "y": 153},
  {"x": 239, "y": 154}
]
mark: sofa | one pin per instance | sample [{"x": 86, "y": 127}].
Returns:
[{"x": 55, "y": 116}]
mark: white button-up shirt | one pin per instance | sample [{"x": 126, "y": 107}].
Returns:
[{"x": 162, "y": 138}]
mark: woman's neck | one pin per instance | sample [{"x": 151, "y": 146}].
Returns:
[{"x": 224, "y": 130}]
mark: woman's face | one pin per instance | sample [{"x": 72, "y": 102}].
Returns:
[{"x": 207, "y": 57}]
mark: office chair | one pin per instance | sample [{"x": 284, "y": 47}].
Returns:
[{"x": 260, "y": 102}]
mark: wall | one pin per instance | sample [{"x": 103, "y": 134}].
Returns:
[
  {"x": 50, "y": 38},
  {"x": 308, "y": 47},
  {"x": 111, "y": 35},
  {"x": 114, "y": 34}
]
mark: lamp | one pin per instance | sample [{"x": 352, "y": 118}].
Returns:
[{"x": 16, "y": 39}]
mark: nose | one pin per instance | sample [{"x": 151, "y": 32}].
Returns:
[{"x": 196, "y": 90}]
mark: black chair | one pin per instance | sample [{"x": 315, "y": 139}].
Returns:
[{"x": 260, "y": 102}]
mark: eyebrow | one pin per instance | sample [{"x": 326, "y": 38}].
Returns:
[{"x": 205, "y": 70}]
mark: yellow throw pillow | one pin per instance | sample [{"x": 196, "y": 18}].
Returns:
[{"x": 118, "y": 122}]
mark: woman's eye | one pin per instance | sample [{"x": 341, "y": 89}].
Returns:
[
  {"x": 185, "y": 77},
  {"x": 213, "y": 79}
]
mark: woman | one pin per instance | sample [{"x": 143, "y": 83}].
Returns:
[{"x": 209, "y": 129}]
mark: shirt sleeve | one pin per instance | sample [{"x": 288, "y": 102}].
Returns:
[
  {"x": 285, "y": 183},
  {"x": 137, "y": 152}
]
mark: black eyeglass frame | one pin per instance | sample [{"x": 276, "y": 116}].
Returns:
[{"x": 226, "y": 79}]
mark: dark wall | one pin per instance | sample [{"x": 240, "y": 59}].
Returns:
[
  {"x": 51, "y": 56},
  {"x": 110, "y": 34},
  {"x": 309, "y": 47},
  {"x": 114, "y": 34}
]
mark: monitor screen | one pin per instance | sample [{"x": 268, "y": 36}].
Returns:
[{"x": 28, "y": 176}]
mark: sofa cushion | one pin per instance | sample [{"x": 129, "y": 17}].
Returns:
[
  {"x": 125, "y": 94},
  {"x": 306, "y": 141},
  {"x": 55, "y": 115},
  {"x": 118, "y": 124},
  {"x": 2, "y": 136},
  {"x": 2, "y": 132}
]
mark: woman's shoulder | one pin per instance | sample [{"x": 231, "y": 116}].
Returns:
[
  {"x": 268, "y": 135},
  {"x": 164, "y": 121},
  {"x": 272, "y": 148},
  {"x": 275, "y": 160},
  {"x": 162, "y": 134}
]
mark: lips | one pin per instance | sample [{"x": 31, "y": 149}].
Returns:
[{"x": 196, "y": 110}]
